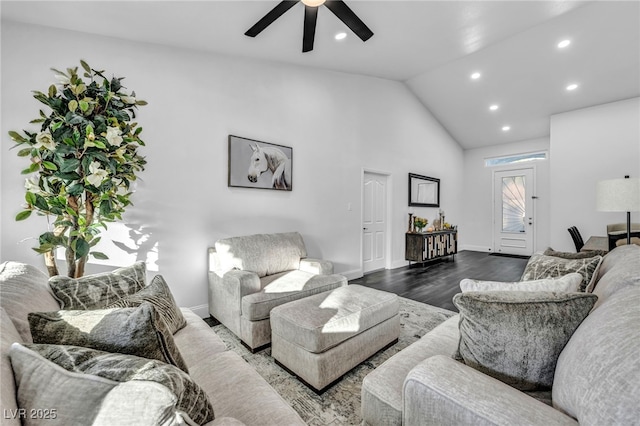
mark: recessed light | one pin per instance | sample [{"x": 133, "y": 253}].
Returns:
[
  {"x": 506, "y": 128},
  {"x": 564, "y": 43},
  {"x": 572, "y": 86},
  {"x": 475, "y": 75},
  {"x": 340, "y": 36},
  {"x": 494, "y": 107}
]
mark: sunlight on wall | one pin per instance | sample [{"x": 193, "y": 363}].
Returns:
[{"x": 124, "y": 246}]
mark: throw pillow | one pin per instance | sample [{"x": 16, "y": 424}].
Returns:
[
  {"x": 121, "y": 368},
  {"x": 516, "y": 336},
  {"x": 541, "y": 266},
  {"x": 567, "y": 255},
  {"x": 84, "y": 386},
  {"x": 135, "y": 331},
  {"x": 566, "y": 284},
  {"x": 99, "y": 290},
  {"x": 159, "y": 295}
]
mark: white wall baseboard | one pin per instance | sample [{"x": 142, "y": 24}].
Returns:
[{"x": 475, "y": 248}]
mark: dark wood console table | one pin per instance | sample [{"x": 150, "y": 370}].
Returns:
[{"x": 423, "y": 247}]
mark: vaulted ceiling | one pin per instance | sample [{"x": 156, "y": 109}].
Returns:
[{"x": 432, "y": 46}]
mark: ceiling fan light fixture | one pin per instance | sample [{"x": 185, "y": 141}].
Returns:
[{"x": 313, "y": 3}]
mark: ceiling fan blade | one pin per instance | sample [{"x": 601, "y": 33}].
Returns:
[
  {"x": 310, "y": 19},
  {"x": 268, "y": 19},
  {"x": 346, "y": 15}
]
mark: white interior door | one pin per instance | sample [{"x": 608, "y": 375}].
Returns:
[
  {"x": 513, "y": 215},
  {"x": 374, "y": 222}
]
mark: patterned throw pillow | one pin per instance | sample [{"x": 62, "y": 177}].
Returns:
[
  {"x": 135, "y": 331},
  {"x": 159, "y": 295},
  {"x": 517, "y": 336},
  {"x": 110, "y": 388},
  {"x": 541, "y": 266},
  {"x": 99, "y": 290},
  {"x": 567, "y": 283}
]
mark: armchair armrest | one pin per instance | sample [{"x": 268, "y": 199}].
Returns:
[
  {"x": 241, "y": 283},
  {"x": 441, "y": 391},
  {"x": 316, "y": 266}
]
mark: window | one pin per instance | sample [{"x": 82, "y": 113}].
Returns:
[{"x": 515, "y": 159}]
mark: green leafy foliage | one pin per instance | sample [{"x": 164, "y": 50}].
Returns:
[{"x": 82, "y": 159}]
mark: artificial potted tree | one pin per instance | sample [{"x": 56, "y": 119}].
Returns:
[{"x": 83, "y": 161}]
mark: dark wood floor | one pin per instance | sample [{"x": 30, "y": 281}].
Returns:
[{"x": 436, "y": 283}]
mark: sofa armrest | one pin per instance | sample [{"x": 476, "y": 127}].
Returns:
[
  {"x": 316, "y": 266},
  {"x": 241, "y": 283},
  {"x": 441, "y": 391}
]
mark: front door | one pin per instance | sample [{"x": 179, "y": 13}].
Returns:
[
  {"x": 513, "y": 219},
  {"x": 374, "y": 222}
]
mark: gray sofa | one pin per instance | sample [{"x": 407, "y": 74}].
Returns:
[
  {"x": 239, "y": 395},
  {"x": 250, "y": 275},
  {"x": 596, "y": 382}
]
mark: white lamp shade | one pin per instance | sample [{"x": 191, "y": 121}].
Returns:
[
  {"x": 618, "y": 195},
  {"x": 313, "y": 3}
]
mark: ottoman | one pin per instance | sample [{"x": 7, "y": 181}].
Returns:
[{"x": 321, "y": 337}]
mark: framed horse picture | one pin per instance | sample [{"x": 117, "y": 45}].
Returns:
[{"x": 256, "y": 164}]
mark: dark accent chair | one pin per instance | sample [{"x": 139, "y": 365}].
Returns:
[{"x": 577, "y": 238}]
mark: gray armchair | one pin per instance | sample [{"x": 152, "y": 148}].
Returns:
[{"x": 250, "y": 275}]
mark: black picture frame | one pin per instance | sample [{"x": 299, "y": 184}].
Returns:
[
  {"x": 424, "y": 191},
  {"x": 260, "y": 165}
]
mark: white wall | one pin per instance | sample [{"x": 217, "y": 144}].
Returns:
[
  {"x": 477, "y": 225},
  {"x": 336, "y": 123},
  {"x": 589, "y": 145}
]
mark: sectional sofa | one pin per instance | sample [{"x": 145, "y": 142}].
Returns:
[
  {"x": 596, "y": 382},
  {"x": 238, "y": 394}
]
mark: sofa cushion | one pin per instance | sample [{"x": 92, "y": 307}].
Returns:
[
  {"x": 517, "y": 336},
  {"x": 566, "y": 283},
  {"x": 24, "y": 289},
  {"x": 541, "y": 266},
  {"x": 320, "y": 322},
  {"x": 285, "y": 288},
  {"x": 98, "y": 290},
  {"x": 159, "y": 295},
  {"x": 237, "y": 390},
  {"x": 619, "y": 269},
  {"x": 114, "y": 388},
  {"x": 136, "y": 331},
  {"x": 264, "y": 254},
  {"x": 570, "y": 255},
  {"x": 8, "y": 402},
  {"x": 600, "y": 386}
]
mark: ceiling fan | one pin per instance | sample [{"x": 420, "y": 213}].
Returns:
[{"x": 338, "y": 7}]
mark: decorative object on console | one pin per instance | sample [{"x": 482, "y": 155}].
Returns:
[
  {"x": 410, "y": 229},
  {"x": 83, "y": 159},
  {"x": 255, "y": 164},
  {"x": 420, "y": 223},
  {"x": 619, "y": 195},
  {"x": 424, "y": 191},
  {"x": 338, "y": 7}
]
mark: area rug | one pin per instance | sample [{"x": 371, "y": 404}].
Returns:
[{"x": 340, "y": 404}]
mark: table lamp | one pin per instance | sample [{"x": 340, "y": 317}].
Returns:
[{"x": 619, "y": 195}]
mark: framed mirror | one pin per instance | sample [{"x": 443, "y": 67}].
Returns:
[{"x": 424, "y": 191}]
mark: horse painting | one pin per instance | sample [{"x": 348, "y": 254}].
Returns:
[{"x": 270, "y": 158}]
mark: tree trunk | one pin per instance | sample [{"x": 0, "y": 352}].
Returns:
[
  {"x": 80, "y": 266},
  {"x": 50, "y": 263},
  {"x": 70, "y": 254}
]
